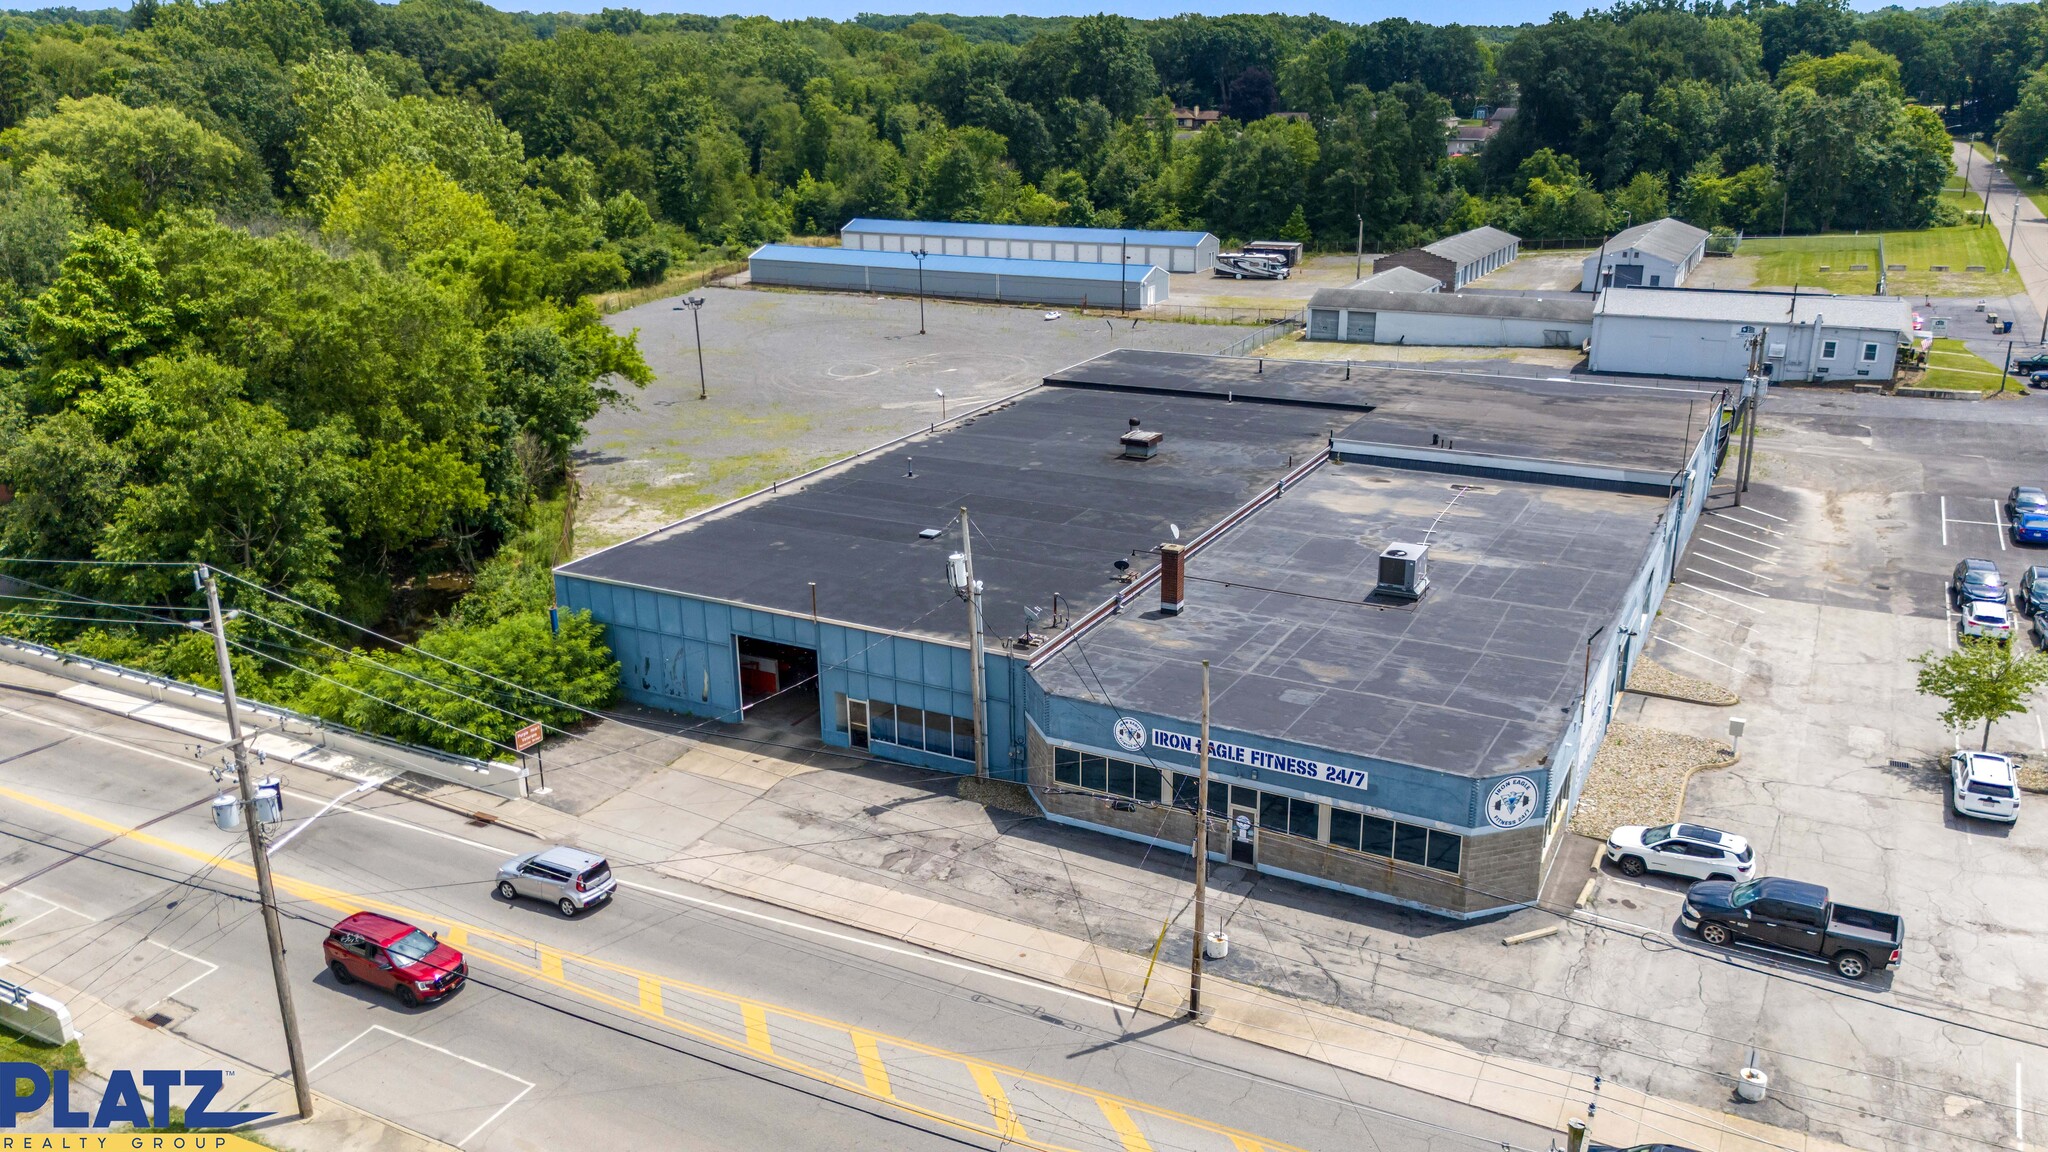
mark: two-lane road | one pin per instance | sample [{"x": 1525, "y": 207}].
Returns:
[{"x": 674, "y": 1017}]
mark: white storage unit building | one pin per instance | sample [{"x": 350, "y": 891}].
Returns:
[
  {"x": 1456, "y": 261},
  {"x": 1705, "y": 334},
  {"x": 1173, "y": 251},
  {"x": 1401, "y": 280},
  {"x": 1002, "y": 281},
  {"x": 1657, "y": 254},
  {"x": 1474, "y": 319}
]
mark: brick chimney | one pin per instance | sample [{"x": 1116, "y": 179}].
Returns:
[{"x": 1173, "y": 579}]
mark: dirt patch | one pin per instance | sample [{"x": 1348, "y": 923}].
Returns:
[
  {"x": 2033, "y": 771},
  {"x": 1639, "y": 777},
  {"x": 1649, "y": 678}
]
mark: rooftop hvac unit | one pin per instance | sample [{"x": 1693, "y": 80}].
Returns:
[{"x": 1403, "y": 571}]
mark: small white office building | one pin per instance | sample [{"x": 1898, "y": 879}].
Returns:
[
  {"x": 1655, "y": 254},
  {"x": 1706, "y": 334},
  {"x": 1173, "y": 251}
]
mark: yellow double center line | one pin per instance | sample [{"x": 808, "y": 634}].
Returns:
[{"x": 1002, "y": 1121}]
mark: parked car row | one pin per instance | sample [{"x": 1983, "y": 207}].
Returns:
[
  {"x": 386, "y": 953},
  {"x": 1986, "y": 607},
  {"x": 1730, "y": 904}
]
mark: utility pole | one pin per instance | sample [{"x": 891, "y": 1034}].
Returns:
[
  {"x": 970, "y": 588},
  {"x": 2012, "y": 235},
  {"x": 1358, "y": 266},
  {"x": 693, "y": 303},
  {"x": 302, "y": 1088},
  {"x": 920, "y": 254},
  {"x": 1201, "y": 858}
]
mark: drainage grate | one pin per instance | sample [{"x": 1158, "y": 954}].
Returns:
[{"x": 154, "y": 1020}]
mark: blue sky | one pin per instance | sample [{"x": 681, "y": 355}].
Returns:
[{"x": 1432, "y": 11}]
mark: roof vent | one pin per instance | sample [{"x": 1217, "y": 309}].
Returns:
[
  {"x": 1139, "y": 445},
  {"x": 1403, "y": 571}
]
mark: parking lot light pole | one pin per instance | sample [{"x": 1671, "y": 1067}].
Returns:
[
  {"x": 691, "y": 304},
  {"x": 920, "y": 254}
]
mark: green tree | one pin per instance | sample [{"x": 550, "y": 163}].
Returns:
[
  {"x": 36, "y": 222},
  {"x": 2023, "y": 133},
  {"x": 125, "y": 164},
  {"x": 1981, "y": 682},
  {"x": 405, "y": 209},
  {"x": 1841, "y": 73}
]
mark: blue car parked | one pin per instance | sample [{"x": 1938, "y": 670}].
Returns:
[{"x": 2030, "y": 528}]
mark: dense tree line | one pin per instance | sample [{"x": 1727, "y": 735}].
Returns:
[{"x": 300, "y": 286}]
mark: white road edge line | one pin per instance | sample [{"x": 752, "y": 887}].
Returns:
[
  {"x": 780, "y": 922},
  {"x": 874, "y": 945},
  {"x": 211, "y": 968}
]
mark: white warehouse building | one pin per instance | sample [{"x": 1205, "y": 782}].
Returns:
[
  {"x": 1173, "y": 251},
  {"x": 1655, "y": 254},
  {"x": 1360, "y": 315},
  {"x": 1706, "y": 334}
]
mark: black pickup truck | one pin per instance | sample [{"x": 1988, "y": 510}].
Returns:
[{"x": 1794, "y": 917}]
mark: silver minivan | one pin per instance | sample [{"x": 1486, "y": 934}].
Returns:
[{"x": 568, "y": 878}]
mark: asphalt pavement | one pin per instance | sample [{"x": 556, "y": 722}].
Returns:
[{"x": 674, "y": 1017}]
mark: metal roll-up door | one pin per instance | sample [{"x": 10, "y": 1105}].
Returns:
[
  {"x": 1359, "y": 327},
  {"x": 1322, "y": 323}
]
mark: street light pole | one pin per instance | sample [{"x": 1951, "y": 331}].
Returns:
[
  {"x": 692, "y": 303},
  {"x": 302, "y": 1087},
  {"x": 920, "y": 254}
]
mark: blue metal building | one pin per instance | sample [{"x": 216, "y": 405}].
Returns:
[
  {"x": 1145, "y": 512},
  {"x": 1003, "y": 281}
]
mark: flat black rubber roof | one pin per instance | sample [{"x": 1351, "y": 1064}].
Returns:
[
  {"x": 1477, "y": 678},
  {"x": 1052, "y": 499},
  {"x": 1618, "y": 423}
]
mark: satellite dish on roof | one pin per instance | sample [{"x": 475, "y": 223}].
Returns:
[{"x": 1175, "y": 529}]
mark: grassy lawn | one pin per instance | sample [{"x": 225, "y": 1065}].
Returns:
[
  {"x": 1798, "y": 260},
  {"x": 1952, "y": 365},
  {"x": 14, "y": 1047},
  {"x": 1965, "y": 199}
]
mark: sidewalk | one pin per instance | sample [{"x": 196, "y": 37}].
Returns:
[
  {"x": 111, "y": 1038},
  {"x": 768, "y": 816}
]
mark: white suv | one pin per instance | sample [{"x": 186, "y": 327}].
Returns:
[
  {"x": 1986, "y": 620},
  {"x": 1689, "y": 850},
  {"x": 1984, "y": 784}
]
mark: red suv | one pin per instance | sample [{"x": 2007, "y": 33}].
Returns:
[{"x": 386, "y": 953}]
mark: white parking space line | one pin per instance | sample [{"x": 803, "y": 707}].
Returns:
[
  {"x": 1718, "y": 596},
  {"x": 1732, "y": 567},
  {"x": 1772, "y": 515},
  {"x": 1948, "y": 618},
  {"x": 1998, "y": 514},
  {"x": 1744, "y": 523},
  {"x": 1739, "y": 536},
  {"x": 527, "y": 1084},
  {"x": 1702, "y": 611},
  {"x": 1737, "y": 551},
  {"x": 1701, "y": 655},
  {"x": 1944, "y": 521},
  {"x": 211, "y": 968},
  {"x": 1677, "y": 623},
  {"x": 1718, "y": 580}
]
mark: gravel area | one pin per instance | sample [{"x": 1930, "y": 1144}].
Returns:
[
  {"x": 1639, "y": 777},
  {"x": 1650, "y": 678},
  {"x": 2033, "y": 771}
]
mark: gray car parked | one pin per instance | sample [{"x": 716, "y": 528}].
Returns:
[{"x": 568, "y": 878}]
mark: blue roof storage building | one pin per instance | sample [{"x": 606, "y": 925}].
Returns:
[
  {"x": 1004, "y": 281},
  {"x": 1173, "y": 251}
]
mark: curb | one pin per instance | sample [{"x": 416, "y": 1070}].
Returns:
[{"x": 1685, "y": 699}]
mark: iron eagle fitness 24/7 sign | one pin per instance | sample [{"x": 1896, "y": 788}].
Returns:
[{"x": 1130, "y": 736}]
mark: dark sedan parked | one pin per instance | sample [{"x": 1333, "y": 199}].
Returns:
[
  {"x": 1975, "y": 579},
  {"x": 2023, "y": 499}
]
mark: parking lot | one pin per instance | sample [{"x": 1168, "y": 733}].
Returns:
[
  {"x": 1810, "y": 601},
  {"x": 797, "y": 379}
]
